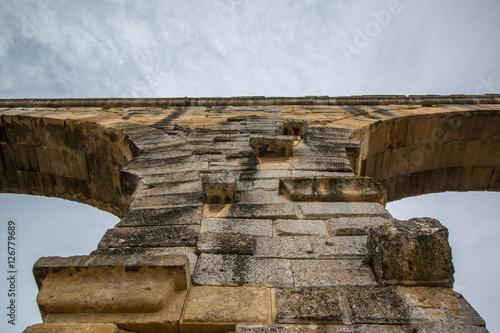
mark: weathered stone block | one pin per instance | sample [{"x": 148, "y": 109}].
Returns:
[
  {"x": 412, "y": 253},
  {"x": 332, "y": 189},
  {"x": 295, "y": 127},
  {"x": 162, "y": 216},
  {"x": 340, "y": 247},
  {"x": 157, "y": 236},
  {"x": 251, "y": 211},
  {"x": 219, "y": 188},
  {"x": 308, "y": 305},
  {"x": 351, "y": 226},
  {"x": 220, "y": 309},
  {"x": 439, "y": 305},
  {"x": 113, "y": 289},
  {"x": 238, "y": 270},
  {"x": 375, "y": 305},
  {"x": 255, "y": 227},
  {"x": 300, "y": 228},
  {"x": 226, "y": 243},
  {"x": 326, "y": 273},
  {"x": 272, "y": 146},
  {"x": 72, "y": 328},
  {"x": 315, "y": 210},
  {"x": 283, "y": 247}
]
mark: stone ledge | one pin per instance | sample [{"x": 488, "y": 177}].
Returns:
[
  {"x": 135, "y": 292},
  {"x": 252, "y": 101},
  {"x": 72, "y": 328}
]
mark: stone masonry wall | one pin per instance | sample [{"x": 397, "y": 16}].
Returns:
[{"x": 252, "y": 215}]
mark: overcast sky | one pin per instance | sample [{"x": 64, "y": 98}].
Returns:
[{"x": 248, "y": 47}]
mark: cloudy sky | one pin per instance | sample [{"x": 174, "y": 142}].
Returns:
[{"x": 63, "y": 48}]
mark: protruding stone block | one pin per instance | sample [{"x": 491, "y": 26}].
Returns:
[
  {"x": 295, "y": 127},
  {"x": 135, "y": 292},
  {"x": 411, "y": 253},
  {"x": 219, "y": 188},
  {"x": 72, "y": 328},
  {"x": 272, "y": 146},
  {"x": 333, "y": 189}
]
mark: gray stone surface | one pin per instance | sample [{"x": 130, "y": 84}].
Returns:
[
  {"x": 255, "y": 227},
  {"x": 238, "y": 270},
  {"x": 189, "y": 252},
  {"x": 295, "y": 127},
  {"x": 333, "y": 189},
  {"x": 351, "y": 226},
  {"x": 283, "y": 247},
  {"x": 300, "y": 228},
  {"x": 308, "y": 305},
  {"x": 162, "y": 216},
  {"x": 439, "y": 305},
  {"x": 325, "y": 273},
  {"x": 340, "y": 247},
  {"x": 414, "y": 252},
  {"x": 317, "y": 210},
  {"x": 268, "y": 146},
  {"x": 219, "y": 188},
  {"x": 375, "y": 305},
  {"x": 250, "y": 211},
  {"x": 158, "y": 236},
  {"x": 226, "y": 243},
  {"x": 319, "y": 328}
]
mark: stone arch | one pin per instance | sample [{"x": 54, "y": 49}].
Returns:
[
  {"x": 431, "y": 151},
  {"x": 61, "y": 155}
]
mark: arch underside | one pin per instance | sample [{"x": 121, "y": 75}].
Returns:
[
  {"x": 63, "y": 157},
  {"x": 428, "y": 153}
]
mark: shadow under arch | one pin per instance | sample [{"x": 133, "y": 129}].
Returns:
[
  {"x": 431, "y": 152},
  {"x": 66, "y": 157}
]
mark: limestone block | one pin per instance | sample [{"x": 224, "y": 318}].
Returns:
[
  {"x": 237, "y": 270},
  {"x": 326, "y": 273},
  {"x": 351, "y": 226},
  {"x": 375, "y": 305},
  {"x": 412, "y": 253},
  {"x": 295, "y": 127},
  {"x": 219, "y": 188},
  {"x": 72, "y": 328},
  {"x": 220, "y": 309},
  {"x": 308, "y": 305},
  {"x": 226, "y": 243},
  {"x": 251, "y": 210},
  {"x": 326, "y": 329},
  {"x": 332, "y": 164},
  {"x": 283, "y": 247},
  {"x": 255, "y": 227},
  {"x": 300, "y": 228},
  {"x": 153, "y": 236},
  {"x": 340, "y": 247},
  {"x": 113, "y": 289},
  {"x": 272, "y": 146},
  {"x": 332, "y": 189},
  {"x": 162, "y": 216},
  {"x": 315, "y": 210},
  {"x": 439, "y": 305}
]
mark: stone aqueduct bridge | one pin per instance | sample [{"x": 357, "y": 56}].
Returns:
[{"x": 253, "y": 214}]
